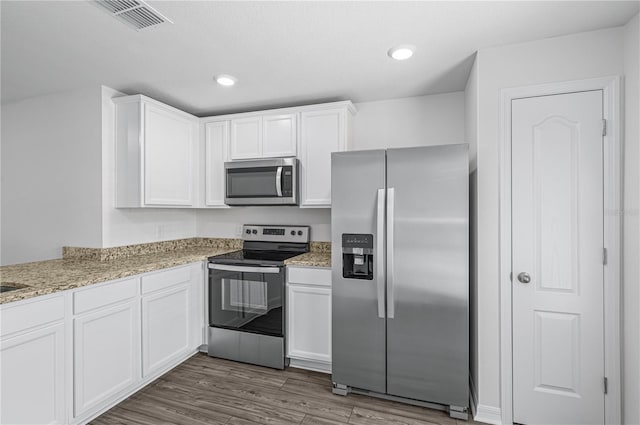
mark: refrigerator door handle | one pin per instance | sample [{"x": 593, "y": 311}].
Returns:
[
  {"x": 390, "y": 270},
  {"x": 380, "y": 252}
]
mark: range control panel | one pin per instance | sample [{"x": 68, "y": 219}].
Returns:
[{"x": 277, "y": 233}]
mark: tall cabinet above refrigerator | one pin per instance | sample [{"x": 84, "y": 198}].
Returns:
[{"x": 400, "y": 274}]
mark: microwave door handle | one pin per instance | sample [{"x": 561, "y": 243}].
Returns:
[{"x": 279, "y": 182}]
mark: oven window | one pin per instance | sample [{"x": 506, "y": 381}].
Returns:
[
  {"x": 247, "y": 301},
  {"x": 244, "y": 295},
  {"x": 251, "y": 182}
]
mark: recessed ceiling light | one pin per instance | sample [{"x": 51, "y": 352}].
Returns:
[
  {"x": 226, "y": 80},
  {"x": 402, "y": 52}
]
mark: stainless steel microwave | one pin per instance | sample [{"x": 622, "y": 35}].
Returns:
[{"x": 261, "y": 182}]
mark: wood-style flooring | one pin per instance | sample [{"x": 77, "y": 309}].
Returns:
[{"x": 205, "y": 390}]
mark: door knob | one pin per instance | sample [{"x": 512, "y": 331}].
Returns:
[{"x": 524, "y": 277}]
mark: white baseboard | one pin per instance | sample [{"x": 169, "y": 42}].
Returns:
[
  {"x": 482, "y": 412},
  {"x": 488, "y": 415},
  {"x": 316, "y": 366}
]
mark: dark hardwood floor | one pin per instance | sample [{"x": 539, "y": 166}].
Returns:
[{"x": 204, "y": 390}]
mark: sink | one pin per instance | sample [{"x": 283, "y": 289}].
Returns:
[{"x": 10, "y": 286}]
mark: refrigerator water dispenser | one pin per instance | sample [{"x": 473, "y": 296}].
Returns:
[{"x": 357, "y": 256}]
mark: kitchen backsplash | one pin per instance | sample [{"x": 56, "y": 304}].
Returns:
[{"x": 106, "y": 254}]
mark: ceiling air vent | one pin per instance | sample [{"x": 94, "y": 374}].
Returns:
[{"x": 135, "y": 13}]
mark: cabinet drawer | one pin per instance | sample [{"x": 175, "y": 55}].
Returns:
[
  {"x": 110, "y": 293},
  {"x": 165, "y": 279},
  {"x": 309, "y": 275},
  {"x": 31, "y": 314}
]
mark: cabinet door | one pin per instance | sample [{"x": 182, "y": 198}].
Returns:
[
  {"x": 309, "y": 322},
  {"x": 279, "y": 135},
  {"x": 165, "y": 327},
  {"x": 246, "y": 138},
  {"x": 169, "y": 150},
  {"x": 216, "y": 143},
  {"x": 106, "y": 354},
  {"x": 323, "y": 132},
  {"x": 32, "y": 367}
]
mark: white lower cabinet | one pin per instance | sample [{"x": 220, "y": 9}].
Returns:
[
  {"x": 309, "y": 318},
  {"x": 106, "y": 347},
  {"x": 65, "y": 358},
  {"x": 32, "y": 371},
  {"x": 165, "y": 327}
]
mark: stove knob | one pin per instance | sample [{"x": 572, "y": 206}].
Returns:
[
  {"x": 254, "y": 231},
  {"x": 248, "y": 231},
  {"x": 293, "y": 233},
  {"x": 299, "y": 232}
]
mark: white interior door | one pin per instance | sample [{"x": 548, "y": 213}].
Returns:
[{"x": 557, "y": 213}]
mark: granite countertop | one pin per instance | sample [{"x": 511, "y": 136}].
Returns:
[
  {"x": 311, "y": 259},
  {"x": 47, "y": 277},
  {"x": 86, "y": 266},
  {"x": 318, "y": 256}
]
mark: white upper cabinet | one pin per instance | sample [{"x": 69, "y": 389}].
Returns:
[
  {"x": 156, "y": 148},
  {"x": 323, "y": 131},
  {"x": 215, "y": 150},
  {"x": 246, "y": 138},
  {"x": 263, "y": 136},
  {"x": 279, "y": 135}
]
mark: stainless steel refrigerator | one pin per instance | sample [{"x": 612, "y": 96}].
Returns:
[{"x": 400, "y": 274}]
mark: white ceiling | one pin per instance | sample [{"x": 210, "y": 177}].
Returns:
[{"x": 283, "y": 53}]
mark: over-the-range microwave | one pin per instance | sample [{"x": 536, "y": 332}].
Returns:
[{"x": 261, "y": 182}]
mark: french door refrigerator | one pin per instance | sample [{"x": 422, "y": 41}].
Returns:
[{"x": 400, "y": 275}]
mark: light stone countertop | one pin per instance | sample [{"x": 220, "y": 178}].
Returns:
[
  {"x": 310, "y": 259},
  {"x": 86, "y": 266},
  {"x": 47, "y": 277}
]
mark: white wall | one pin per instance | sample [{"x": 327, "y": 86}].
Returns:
[
  {"x": 578, "y": 56},
  {"x": 631, "y": 272},
  {"x": 412, "y": 121},
  {"x": 225, "y": 223},
  {"x": 133, "y": 226},
  {"x": 51, "y": 162}
]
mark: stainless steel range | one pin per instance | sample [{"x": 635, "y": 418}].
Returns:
[{"x": 247, "y": 295}]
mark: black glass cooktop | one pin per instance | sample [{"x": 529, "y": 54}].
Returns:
[{"x": 254, "y": 257}]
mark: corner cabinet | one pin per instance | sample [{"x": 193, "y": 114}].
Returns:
[
  {"x": 323, "y": 131},
  {"x": 156, "y": 154},
  {"x": 309, "y": 318}
]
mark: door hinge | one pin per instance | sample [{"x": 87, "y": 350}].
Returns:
[
  {"x": 604, "y": 127},
  {"x": 604, "y": 256},
  {"x": 606, "y": 385}
]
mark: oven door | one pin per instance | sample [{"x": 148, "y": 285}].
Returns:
[{"x": 247, "y": 298}]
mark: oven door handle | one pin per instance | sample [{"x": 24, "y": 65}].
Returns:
[
  {"x": 279, "y": 182},
  {"x": 244, "y": 269}
]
